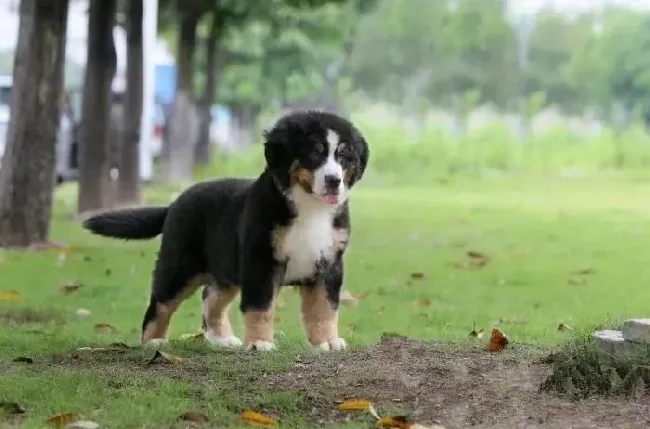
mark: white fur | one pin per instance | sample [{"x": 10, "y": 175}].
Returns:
[
  {"x": 331, "y": 167},
  {"x": 156, "y": 343},
  {"x": 309, "y": 238},
  {"x": 222, "y": 342},
  {"x": 260, "y": 345},
  {"x": 337, "y": 344}
]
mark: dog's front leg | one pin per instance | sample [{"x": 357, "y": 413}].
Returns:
[
  {"x": 258, "y": 288},
  {"x": 319, "y": 307}
]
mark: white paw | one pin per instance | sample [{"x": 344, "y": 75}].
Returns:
[
  {"x": 156, "y": 343},
  {"x": 222, "y": 342},
  {"x": 337, "y": 344},
  {"x": 260, "y": 345}
]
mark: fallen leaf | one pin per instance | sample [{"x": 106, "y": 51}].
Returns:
[
  {"x": 417, "y": 276},
  {"x": 362, "y": 295},
  {"x": 82, "y": 424},
  {"x": 82, "y": 312},
  {"x": 346, "y": 298},
  {"x": 166, "y": 357},
  {"x": 11, "y": 408},
  {"x": 477, "y": 334},
  {"x": 423, "y": 302},
  {"x": 104, "y": 328},
  {"x": 498, "y": 341},
  {"x": 194, "y": 417},
  {"x": 196, "y": 337},
  {"x": 400, "y": 422},
  {"x": 563, "y": 327},
  {"x": 477, "y": 259},
  {"x": 23, "y": 359},
  {"x": 69, "y": 287},
  {"x": 256, "y": 419},
  {"x": 359, "y": 405},
  {"x": 9, "y": 296},
  {"x": 63, "y": 419}
]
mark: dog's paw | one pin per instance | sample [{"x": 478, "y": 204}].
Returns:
[
  {"x": 222, "y": 342},
  {"x": 260, "y": 345},
  {"x": 335, "y": 344},
  {"x": 156, "y": 343}
]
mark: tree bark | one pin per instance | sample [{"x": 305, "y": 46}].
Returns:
[
  {"x": 27, "y": 173},
  {"x": 95, "y": 184},
  {"x": 202, "y": 153},
  {"x": 179, "y": 156},
  {"x": 129, "y": 162}
]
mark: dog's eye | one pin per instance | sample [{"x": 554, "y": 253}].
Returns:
[{"x": 317, "y": 150}]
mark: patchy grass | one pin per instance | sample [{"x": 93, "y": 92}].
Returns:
[{"x": 553, "y": 251}]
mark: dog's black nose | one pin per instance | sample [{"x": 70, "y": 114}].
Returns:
[{"x": 332, "y": 181}]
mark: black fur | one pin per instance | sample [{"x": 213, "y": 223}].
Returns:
[{"x": 224, "y": 227}]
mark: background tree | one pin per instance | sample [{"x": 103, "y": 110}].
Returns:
[
  {"x": 129, "y": 154},
  {"x": 27, "y": 172},
  {"x": 96, "y": 188}
]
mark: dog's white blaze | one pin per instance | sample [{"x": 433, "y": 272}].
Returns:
[{"x": 331, "y": 167}]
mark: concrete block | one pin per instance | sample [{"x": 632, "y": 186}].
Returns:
[
  {"x": 610, "y": 342},
  {"x": 637, "y": 330}
]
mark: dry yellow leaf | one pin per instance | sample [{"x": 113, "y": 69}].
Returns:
[
  {"x": 359, "y": 405},
  {"x": 166, "y": 357},
  {"x": 9, "y": 296},
  {"x": 256, "y": 419},
  {"x": 402, "y": 422},
  {"x": 63, "y": 419}
]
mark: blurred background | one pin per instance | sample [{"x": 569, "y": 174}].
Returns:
[{"x": 442, "y": 88}]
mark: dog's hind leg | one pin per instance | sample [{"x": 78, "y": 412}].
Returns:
[
  {"x": 168, "y": 294},
  {"x": 216, "y": 322}
]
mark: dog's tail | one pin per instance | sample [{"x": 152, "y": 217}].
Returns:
[{"x": 128, "y": 224}]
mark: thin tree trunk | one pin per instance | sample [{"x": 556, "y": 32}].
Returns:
[
  {"x": 129, "y": 162},
  {"x": 202, "y": 153},
  {"x": 179, "y": 160},
  {"x": 27, "y": 173},
  {"x": 95, "y": 187}
]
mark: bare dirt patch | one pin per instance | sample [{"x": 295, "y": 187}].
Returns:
[{"x": 459, "y": 388}]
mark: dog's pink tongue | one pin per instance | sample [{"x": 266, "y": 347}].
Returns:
[{"x": 331, "y": 198}]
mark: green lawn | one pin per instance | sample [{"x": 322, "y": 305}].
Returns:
[{"x": 560, "y": 251}]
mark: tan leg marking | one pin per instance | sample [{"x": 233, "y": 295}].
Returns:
[
  {"x": 156, "y": 331},
  {"x": 216, "y": 306},
  {"x": 320, "y": 319},
  {"x": 258, "y": 327}
]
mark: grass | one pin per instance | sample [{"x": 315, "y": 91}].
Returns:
[{"x": 560, "y": 251}]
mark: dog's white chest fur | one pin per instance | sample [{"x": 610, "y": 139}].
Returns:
[{"x": 307, "y": 241}]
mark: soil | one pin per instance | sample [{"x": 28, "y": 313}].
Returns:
[{"x": 457, "y": 387}]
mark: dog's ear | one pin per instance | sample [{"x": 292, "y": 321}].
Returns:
[
  {"x": 278, "y": 152},
  {"x": 360, "y": 146}
]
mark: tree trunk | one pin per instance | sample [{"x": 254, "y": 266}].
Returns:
[
  {"x": 179, "y": 159},
  {"x": 27, "y": 173},
  {"x": 202, "y": 151},
  {"x": 95, "y": 184},
  {"x": 129, "y": 162}
]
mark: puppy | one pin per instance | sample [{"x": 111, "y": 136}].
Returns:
[{"x": 248, "y": 237}]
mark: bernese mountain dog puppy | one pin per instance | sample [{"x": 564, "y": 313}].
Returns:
[{"x": 290, "y": 226}]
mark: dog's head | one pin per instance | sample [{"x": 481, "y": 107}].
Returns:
[{"x": 319, "y": 153}]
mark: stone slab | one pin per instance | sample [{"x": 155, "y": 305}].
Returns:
[
  {"x": 610, "y": 342},
  {"x": 636, "y": 330}
]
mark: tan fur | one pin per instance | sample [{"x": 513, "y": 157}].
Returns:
[
  {"x": 302, "y": 177},
  {"x": 258, "y": 326},
  {"x": 318, "y": 316},
  {"x": 157, "y": 328},
  {"x": 215, "y": 311}
]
